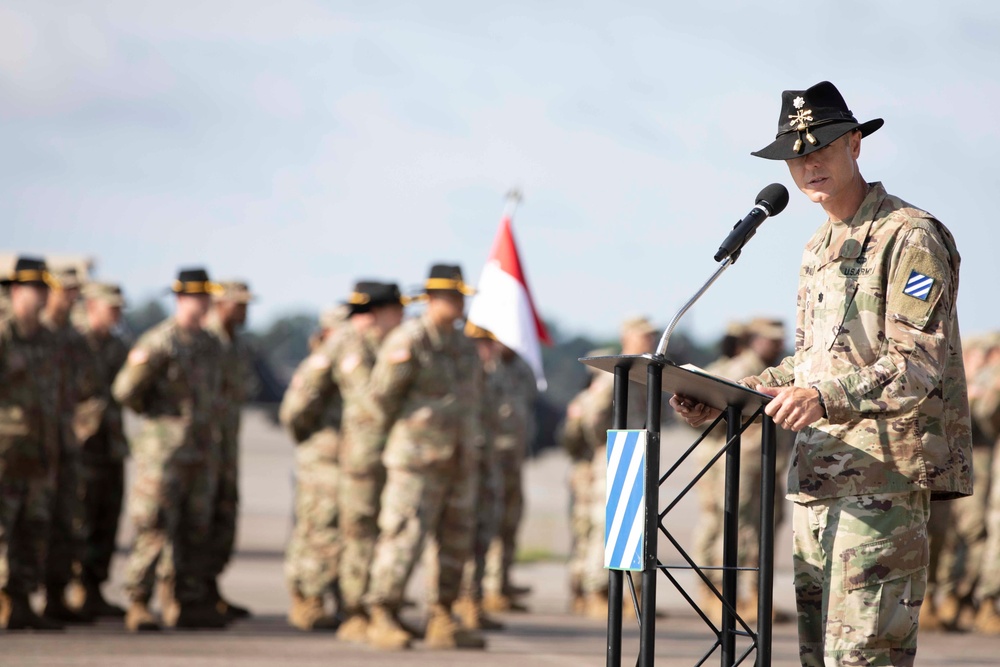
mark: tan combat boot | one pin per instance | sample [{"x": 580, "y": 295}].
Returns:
[
  {"x": 472, "y": 617},
  {"x": 5, "y": 609},
  {"x": 308, "y": 614},
  {"x": 354, "y": 629},
  {"x": 987, "y": 618},
  {"x": 928, "y": 620},
  {"x": 444, "y": 633},
  {"x": 498, "y": 603},
  {"x": 169, "y": 608},
  {"x": 948, "y": 610},
  {"x": 138, "y": 618},
  {"x": 596, "y": 606},
  {"x": 384, "y": 631}
]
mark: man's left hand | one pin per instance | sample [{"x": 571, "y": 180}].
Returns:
[{"x": 793, "y": 408}]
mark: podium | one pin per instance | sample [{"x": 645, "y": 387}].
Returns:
[{"x": 740, "y": 407}]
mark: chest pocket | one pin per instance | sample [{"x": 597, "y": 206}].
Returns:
[{"x": 834, "y": 302}]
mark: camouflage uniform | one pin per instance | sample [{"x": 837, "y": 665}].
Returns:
[
  {"x": 30, "y": 384},
  {"x": 66, "y": 539},
  {"x": 312, "y": 409},
  {"x": 514, "y": 423},
  {"x": 889, "y": 368},
  {"x": 98, "y": 425},
  {"x": 362, "y": 473},
  {"x": 427, "y": 384},
  {"x": 986, "y": 411},
  {"x": 172, "y": 377},
  {"x": 238, "y": 385}
]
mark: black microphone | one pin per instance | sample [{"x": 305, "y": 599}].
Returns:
[{"x": 772, "y": 200}]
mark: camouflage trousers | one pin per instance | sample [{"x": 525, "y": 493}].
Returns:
[
  {"x": 360, "y": 500},
  {"x": 102, "y": 487},
  {"x": 503, "y": 548},
  {"x": 171, "y": 508},
  {"x": 989, "y": 580},
  {"x": 312, "y": 559},
  {"x": 487, "y": 517},
  {"x": 581, "y": 522},
  {"x": 225, "y": 511},
  {"x": 860, "y": 567},
  {"x": 436, "y": 503},
  {"x": 25, "y": 517},
  {"x": 67, "y": 533},
  {"x": 957, "y": 558},
  {"x": 595, "y": 577}
]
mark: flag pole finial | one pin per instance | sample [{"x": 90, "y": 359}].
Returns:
[{"x": 512, "y": 199}]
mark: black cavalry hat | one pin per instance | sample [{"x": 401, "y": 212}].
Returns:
[
  {"x": 194, "y": 281},
  {"x": 448, "y": 277},
  {"x": 29, "y": 271},
  {"x": 811, "y": 119},
  {"x": 370, "y": 294}
]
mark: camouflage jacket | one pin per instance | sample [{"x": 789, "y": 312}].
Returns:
[
  {"x": 173, "y": 377},
  {"x": 984, "y": 401},
  {"x": 78, "y": 373},
  {"x": 572, "y": 437},
  {"x": 515, "y": 407},
  {"x": 239, "y": 380},
  {"x": 97, "y": 421},
  {"x": 30, "y": 391},
  {"x": 428, "y": 384},
  {"x": 877, "y": 335},
  {"x": 362, "y": 431},
  {"x": 312, "y": 408}
]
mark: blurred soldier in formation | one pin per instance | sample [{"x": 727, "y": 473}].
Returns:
[
  {"x": 173, "y": 377},
  {"x": 66, "y": 540},
  {"x": 761, "y": 347},
  {"x": 98, "y": 426},
  {"x": 239, "y": 384},
  {"x": 515, "y": 425},
  {"x": 312, "y": 410},
  {"x": 638, "y": 336},
  {"x": 469, "y": 606},
  {"x": 427, "y": 382},
  {"x": 986, "y": 417},
  {"x": 580, "y": 438},
  {"x": 29, "y": 442},
  {"x": 376, "y": 309}
]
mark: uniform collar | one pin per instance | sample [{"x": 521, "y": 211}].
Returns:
[{"x": 858, "y": 227}]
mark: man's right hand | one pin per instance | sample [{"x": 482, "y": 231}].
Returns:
[{"x": 693, "y": 412}]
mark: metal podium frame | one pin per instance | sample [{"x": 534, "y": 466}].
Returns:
[{"x": 740, "y": 407}]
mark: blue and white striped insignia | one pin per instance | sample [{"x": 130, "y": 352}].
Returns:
[
  {"x": 624, "y": 507},
  {"x": 918, "y": 285}
]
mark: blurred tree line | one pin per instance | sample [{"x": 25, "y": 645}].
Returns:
[{"x": 285, "y": 342}]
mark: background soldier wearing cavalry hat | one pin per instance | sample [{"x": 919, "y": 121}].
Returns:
[
  {"x": 172, "y": 377},
  {"x": 875, "y": 391},
  {"x": 239, "y": 384},
  {"x": 376, "y": 309},
  {"x": 97, "y": 424},
  {"x": 29, "y": 441},
  {"x": 427, "y": 383}
]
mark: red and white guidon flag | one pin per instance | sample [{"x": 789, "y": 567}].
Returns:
[{"x": 503, "y": 305}]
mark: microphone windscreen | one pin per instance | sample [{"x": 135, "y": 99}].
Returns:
[{"x": 774, "y": 197}]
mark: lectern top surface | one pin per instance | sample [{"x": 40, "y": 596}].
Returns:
[{"x": 689, "y": 381}]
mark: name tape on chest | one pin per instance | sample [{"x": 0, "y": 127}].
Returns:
[{"x": 918, "y": 285}]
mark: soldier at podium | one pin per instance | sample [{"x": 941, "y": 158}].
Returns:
[{"x": 875, "y": 392}]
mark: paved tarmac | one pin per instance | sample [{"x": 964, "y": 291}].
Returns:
[{"x": 547, "y": 635}]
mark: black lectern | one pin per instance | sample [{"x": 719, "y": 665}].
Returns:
[{"x": 740, "y": 407}]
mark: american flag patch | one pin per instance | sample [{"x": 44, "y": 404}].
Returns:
[{"x": 918, "y": 285}]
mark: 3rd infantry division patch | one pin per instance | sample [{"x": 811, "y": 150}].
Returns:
[{"x": 918, "y": 285}]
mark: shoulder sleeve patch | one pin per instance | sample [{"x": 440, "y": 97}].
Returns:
[{"x": 917, "y": 288}]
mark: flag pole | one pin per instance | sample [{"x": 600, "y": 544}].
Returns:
[{"x": 511, "y": 201}]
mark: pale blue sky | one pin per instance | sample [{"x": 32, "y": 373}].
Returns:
[{"x": 303, "y": 144}]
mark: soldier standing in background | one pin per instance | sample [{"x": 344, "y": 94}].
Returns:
[
  {"x": 580, "y": 438},
  {"x": 98, "y": 426},
  {"x": 515, "y": 416},
  {"x": 427, "y": 382},
  {"x": 376, "y": 309},
  {"x": 66, "y": 539},
  {"x": 469, "y": 606},
  {"x": 312, "y": 411},
  {"x": 239, "y": 383},
  {"x": 29, "y": 442},
  {"x": 762, "y": 347},
  {"x": 638, "y": 336},
  {"x": 172, "y": 377}
]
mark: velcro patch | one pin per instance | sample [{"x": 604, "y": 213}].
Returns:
[{"x": 917, "y": 288}]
